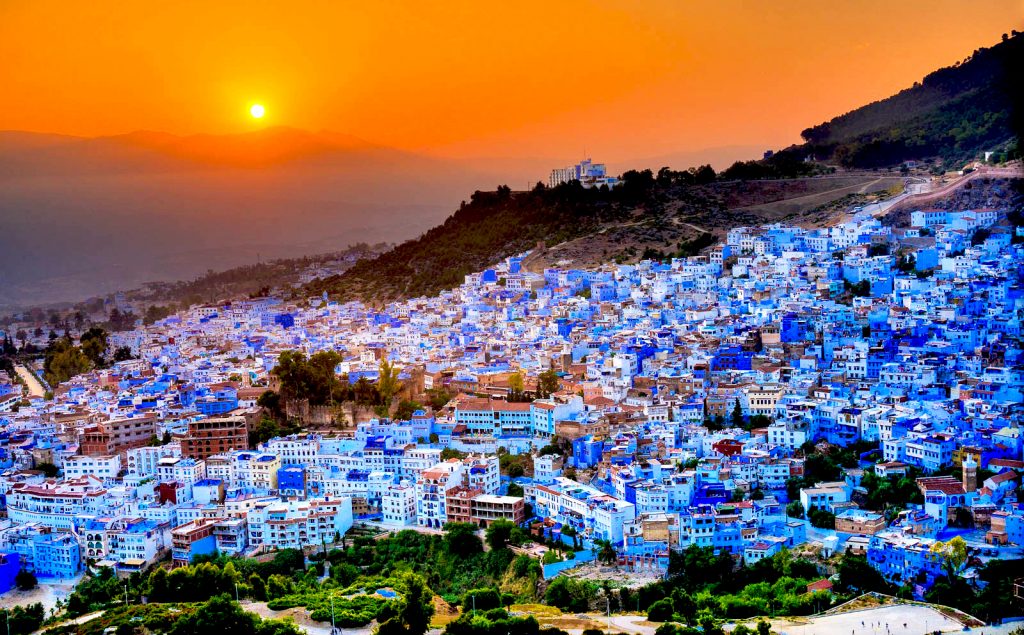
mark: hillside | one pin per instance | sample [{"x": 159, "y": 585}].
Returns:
[
  {"x": 490, "y": 226},
  {"x": 953, "y": 114},
  {"x": 670, "y": 214}
]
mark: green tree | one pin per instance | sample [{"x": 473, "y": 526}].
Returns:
[
  {"x": 481, "y": 600},
  {"x": 222, "y": 616},
  {"x": 499, "y": 534},
  {"x": 661, "y": 611},
  {"x": 155, "y": 313},
  {"x": 461, "y": 541},
  {"x": 737, "y": 415},
  {"x": 416, "y": 607},
  {"x": 550, "y": 448},
  {"x": 22, "y": 620},
  {"x": 158, "y": 586},
  {"x": 516, "y": 386},
  {"x": 49, "y": 470},
  {"x": 388, "y": 383},
  {"x": 821, "y": 518},
  {"x": 451, "y": 453},
  {"x": 569, "y": 594},
  {"x": 258, "y": 589},
  {"x": 63, "y": 360},
  {"x": 264, "y": 430},
  {"x": 684, "y": 605},
  {"x": 26, "y": 580},
  {"x": 547, "y": 383},
  {"x": 953, "y": 554},
  {"x": 122, "y": 354},
  {"x": 698, "y": 565},
  {"x": 405, "y": 410},
  {"x": 856, "y": 574},
  {"x": 94, "y": 345},
  {"x": 277, "y": 586},
  {"x": 313, "y": 379},
  {"x": 606, "y": 551}
]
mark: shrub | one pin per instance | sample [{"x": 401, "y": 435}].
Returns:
[{"x": 661, "y": 611}]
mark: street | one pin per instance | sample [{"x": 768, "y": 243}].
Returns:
[{"x": 35, "y": 388}]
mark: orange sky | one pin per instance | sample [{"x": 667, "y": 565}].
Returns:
[{"x": 503, "y": 79}]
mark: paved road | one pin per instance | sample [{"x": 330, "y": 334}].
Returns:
[
  {"x": 631, "y": 624},
  {"x": 81, "y": 619},
  {"x": 35, "y": 389},
  {"x": 918, "y": 196}
]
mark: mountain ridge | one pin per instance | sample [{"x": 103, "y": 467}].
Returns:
[
  {"x": 651, "y": 214},
  {"x": 952, "y": 114},
  {"x": 43, "y": 154}
]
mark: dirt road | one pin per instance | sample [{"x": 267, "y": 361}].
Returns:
[{"x": 35, "y": 389}]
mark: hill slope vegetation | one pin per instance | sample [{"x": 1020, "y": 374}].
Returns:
[{"x": 953, "y": 114}]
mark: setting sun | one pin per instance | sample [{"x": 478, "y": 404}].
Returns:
[{"x": 257, "y": 111}]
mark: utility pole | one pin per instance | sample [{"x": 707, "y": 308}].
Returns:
[
  {"x": 608, "y": 607},
  {"x": 334, "y": 629},
  {"x": 126, "y": 594},
  {"x": 236, "y": 592}
]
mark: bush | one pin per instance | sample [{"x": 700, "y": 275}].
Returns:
[
  {"x": 26, "y": 580},
  {"x": 661, "y": 611},
  {"x": 821, "y": 518},
  {"x": 23, "y": 620},
  {"x": 481, "y": 600},
  {"x": 570, "y": 594}
]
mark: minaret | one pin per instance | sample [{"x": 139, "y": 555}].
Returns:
[{"x": 970, "y": 474}]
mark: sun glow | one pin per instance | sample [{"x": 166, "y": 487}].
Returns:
[{"x": 257, "y": 111}]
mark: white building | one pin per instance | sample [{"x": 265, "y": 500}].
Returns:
[
  {"x": 431, "y": 488},
  {"x": 398, "y": 505},
  {"x": 144, "y": 461},
  {"x": 105, "y": 468},
  {"x": 588, "y": 173},
  {"x": 298, "y": 524}
]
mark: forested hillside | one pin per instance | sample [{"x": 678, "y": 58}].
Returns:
[
  {"x": 491, "y": 225},
  {"x": 671, "y": 213},
  {"x": 953, "y": 114}
]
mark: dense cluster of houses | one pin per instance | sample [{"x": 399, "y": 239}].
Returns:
[{"x": 687, "y": 395}]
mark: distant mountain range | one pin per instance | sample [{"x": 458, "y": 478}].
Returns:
[
  {"x": 25, "y": 154},
  {"x": 83, "y": 216}
]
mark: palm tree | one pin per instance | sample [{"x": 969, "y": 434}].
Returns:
[{"x": 606, "y": 552}]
